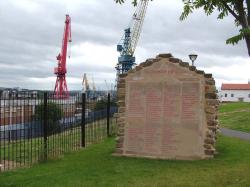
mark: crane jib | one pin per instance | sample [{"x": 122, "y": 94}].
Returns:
[
  {"x": 61, "y": 89},
  {"x": 128, "y": 44}
]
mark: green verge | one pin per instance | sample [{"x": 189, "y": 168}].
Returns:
[
  {"x": 95, "y": 166},
  {"x": 235, "y": 116},
  {"x": 232, "y": 107},
  {"x": 29, "y": 151},
  {"x": 236, "y": 121}
]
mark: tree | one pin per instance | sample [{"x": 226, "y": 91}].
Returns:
[
  {"x": 239, "y": 9},
  {"x": 134, "y": 2},
  {"x": 102, "y": 104},
  {"x": 54, "y": 114}
]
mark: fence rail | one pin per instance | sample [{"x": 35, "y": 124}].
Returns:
[{"x": 37, "y": 129}]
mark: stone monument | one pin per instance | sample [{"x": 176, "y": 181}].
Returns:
[{"x": 167, "y": 110}]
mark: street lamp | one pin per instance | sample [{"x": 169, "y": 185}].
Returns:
[{"x": 193, "y": 57}]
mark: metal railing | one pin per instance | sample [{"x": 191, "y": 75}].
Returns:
[{"x": 41, "y": 128}]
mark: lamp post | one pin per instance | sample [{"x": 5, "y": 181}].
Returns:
[{"x": 193, "y": 57}]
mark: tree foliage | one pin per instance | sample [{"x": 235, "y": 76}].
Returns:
[
  {"x": 102, "y": 104},
  {"x": 54, "y": 114},
  {"x": 134, "y": 2},
  {"x": 239, "y": 9}
]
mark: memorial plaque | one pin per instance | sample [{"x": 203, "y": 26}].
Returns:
[{"x": 165, "y": 113}]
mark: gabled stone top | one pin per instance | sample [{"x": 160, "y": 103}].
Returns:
[{"x": 172, "y": 59}]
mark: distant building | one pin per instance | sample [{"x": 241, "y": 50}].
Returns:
[
  {"x": 17, "y": 93},
  {"x": 235, "y": 92}
]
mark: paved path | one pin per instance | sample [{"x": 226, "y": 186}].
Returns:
[{"x": 236, "y": 134}]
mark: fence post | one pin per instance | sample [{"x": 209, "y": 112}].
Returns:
[
  {"x": 83, "y": 143},
  {"x": 108, "y": 114},
  {"x": 45, "y": 123}
]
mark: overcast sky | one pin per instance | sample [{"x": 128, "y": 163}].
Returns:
[{"x": 31, "y": 34}]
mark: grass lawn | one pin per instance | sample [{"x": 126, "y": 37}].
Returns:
[
  {"x": 95, "y": 166},
  {"x": 236, "y": 121},
  {"x": 232, "y": 107},
  {"x": 25, "y": 152},
  {"x": 235, "y": 116}
]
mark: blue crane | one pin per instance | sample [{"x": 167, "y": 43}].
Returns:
[{"x": 129, "y": 41}]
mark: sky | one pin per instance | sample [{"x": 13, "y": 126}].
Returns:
[{"x": 31, "y": 34}]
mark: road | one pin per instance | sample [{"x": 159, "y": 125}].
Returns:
[{"x": 236, "y": 134}]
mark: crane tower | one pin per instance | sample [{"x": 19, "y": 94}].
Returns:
[
  {"x": 129, "y": 41},
  {"x": 61, "y": 89},
  {"x": 85, "y": 83}
]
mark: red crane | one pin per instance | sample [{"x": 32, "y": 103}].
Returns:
[{"x": 61, "y": 89}]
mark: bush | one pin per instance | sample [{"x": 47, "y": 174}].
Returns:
[
  {"x": 54, "y": 115},
  {"x": 102, "y": 104}
]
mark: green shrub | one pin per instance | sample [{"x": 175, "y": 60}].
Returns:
[
  {"x": 102, "y": 104},
  {"x": 54, "y": 115}
]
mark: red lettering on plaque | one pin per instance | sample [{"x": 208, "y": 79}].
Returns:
[
  {"x": 136, "y": 106},
  {"x": 153, "y": 104},
  {"x": 151, "y": 137},
  {"x": 168, "y": 139},
  {"x": 190, "y": 100},
  {"x": 172, "y": 101},
  {"x": 133, "y": 137}
]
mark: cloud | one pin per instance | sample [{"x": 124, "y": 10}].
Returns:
[{"x": 32, "y": 32}]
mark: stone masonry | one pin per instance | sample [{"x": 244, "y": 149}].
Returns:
[{"x": 210, "y": 108}]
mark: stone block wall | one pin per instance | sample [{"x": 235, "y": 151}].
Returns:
[{"x": 211, "y": 104}]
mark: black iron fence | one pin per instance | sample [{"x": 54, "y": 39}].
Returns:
[{"x": 45, "y": 127}]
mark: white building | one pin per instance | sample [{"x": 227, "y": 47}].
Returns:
[{"x": 235, "y": 93}]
